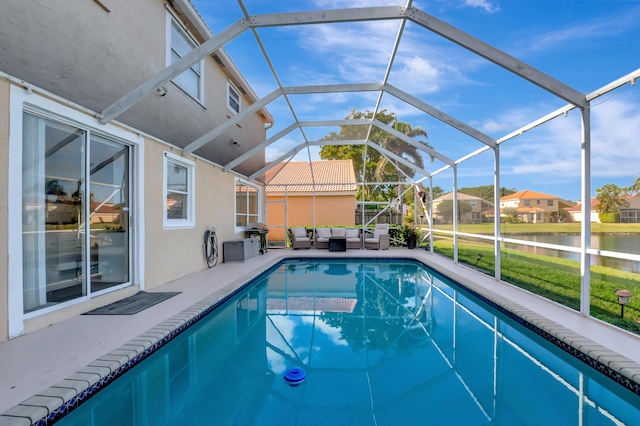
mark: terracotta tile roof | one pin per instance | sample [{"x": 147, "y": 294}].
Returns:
[
  {"x": 578, "y": 206},
  {"x": 330, "y": 176},
  {"x": 529, "y": 195}
]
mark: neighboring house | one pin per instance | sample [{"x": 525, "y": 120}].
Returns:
[
  {"x": 631, "y": 212},
  {"x": 477, "y": 214},
  {"x": 67, "y": 166},
  {"x": 534, "y": 207},
  {"x": 576, "y": 212},
  {"x": 628, "y": 214},
  {"x": 333, "y": 195}
]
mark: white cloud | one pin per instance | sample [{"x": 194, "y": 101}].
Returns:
[
  {"x": 552, "y": 151},
  {"x": 488, "y": 6}
]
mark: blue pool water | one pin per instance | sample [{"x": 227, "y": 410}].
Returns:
[{"x": 381, "y": 343}]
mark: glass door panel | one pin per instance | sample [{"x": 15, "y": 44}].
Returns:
[
  {"x": 108, "y": 214},
  {"x": 52, "y": 238}
]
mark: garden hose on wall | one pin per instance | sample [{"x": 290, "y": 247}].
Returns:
[{"x": 210, "y": 247}]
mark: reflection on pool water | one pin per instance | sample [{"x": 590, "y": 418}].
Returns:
[{"x": 381, "y": 342}]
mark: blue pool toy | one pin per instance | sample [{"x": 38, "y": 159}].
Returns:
[{"x": 295, "y": 376}]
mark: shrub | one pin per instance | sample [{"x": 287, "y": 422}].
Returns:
[{"x": 609, "y": 217}]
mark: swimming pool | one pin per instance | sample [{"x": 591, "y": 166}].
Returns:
[{"x": 382, "y": 343}]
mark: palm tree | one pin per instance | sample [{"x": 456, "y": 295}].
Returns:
[
  {"x": 610, "y": 198},
  {"x": 376, "y": 166},
  {"x": 635, "y": 188}
]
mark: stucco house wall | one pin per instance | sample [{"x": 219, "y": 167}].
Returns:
[
  {"x": 76, "y": 58},
  {"x": 334, "y": 209}
]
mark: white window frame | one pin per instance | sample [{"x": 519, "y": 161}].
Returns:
[
  {"x": 190, "y": 205},
  {"x": 173, "y": 21},
  {"x": 231, "y": 88},
  {"x": 237, "y": 182},
  {"x": 29, "y": 100}
]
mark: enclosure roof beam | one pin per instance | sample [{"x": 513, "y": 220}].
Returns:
[
  {"x": 397, "y": 158},
  {"x": 411, "y": 141},
  {"x": 277, "y": 161},
  {"x": 173, "y": 70},
  {"x": 333, "y": 123},
  {"x": 436, "y": 113},
  {"x": 326, "y": 123},
  {"x": 218, "y": 130},
  {"x": 253, "y": 151},
  {"x": 327, "y": 16},
  {"x": 339, "y": 142},
  {"x": 332, "y": 88},
  {"x": 498, "y": 57}
]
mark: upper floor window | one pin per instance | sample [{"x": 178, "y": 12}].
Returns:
[
  {"x": 247, "y": 204},
  {"x": 527, "y": 203},
  {"x": 550, "y": 203},
  {"x": 233, "y": 98},
  {"x": 179, "y": 192},
  {"x": 180, "y": 43},
  {"x": 473, "y": 203}
]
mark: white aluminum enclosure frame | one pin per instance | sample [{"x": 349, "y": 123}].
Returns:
[{"x": 403, "y": 14}]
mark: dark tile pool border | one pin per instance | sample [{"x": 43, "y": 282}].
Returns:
[{"x": 51, "y": 405}]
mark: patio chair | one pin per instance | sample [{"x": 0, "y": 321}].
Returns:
[
  {"x": 380, "y": 239},
  {"x": 322, "y": 238},
  {"x": 299, "y": 238}
]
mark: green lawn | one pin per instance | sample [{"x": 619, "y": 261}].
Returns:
[
  {"x": 556, "y": 279},
  {"x": 543, "y": 228}
]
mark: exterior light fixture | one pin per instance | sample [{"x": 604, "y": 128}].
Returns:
[{"x": 623, "y": 299}]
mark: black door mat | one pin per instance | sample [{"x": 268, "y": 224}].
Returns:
[{"x": 132, "y": 304}]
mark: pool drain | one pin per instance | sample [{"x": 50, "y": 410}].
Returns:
[{"x": 295, "y": 376}]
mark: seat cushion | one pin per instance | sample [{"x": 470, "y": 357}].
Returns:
[
  {"x": 299, "y": 233},
  {"x": 352, "y": 233},
  {"x": 371, "y": 240},
  {"x": 338, "y": 232},
  {"x": 302, "y": 239},
  {"x": 323, "y": 233}
]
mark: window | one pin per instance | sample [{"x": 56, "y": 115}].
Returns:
[
  {"x": 233, "y": 98},
  {"x": 538, "y": 217},
  {"x": 537, "y": 201},
  {"x": 180, "y": 43},
  {"x": 550, "y": 203},
  {"x": 527, "y": 203},
  {"x": 179, "y": 193},
  {"x": 247, "y": 204},
  {"x": 473, "y": 204}
]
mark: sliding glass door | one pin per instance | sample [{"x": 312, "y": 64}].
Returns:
[
  {"x": 109, "y": 213},
  {"x": 72, "y": 181}
]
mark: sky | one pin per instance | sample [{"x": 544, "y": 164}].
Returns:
[{"x": 585, "y": 44}]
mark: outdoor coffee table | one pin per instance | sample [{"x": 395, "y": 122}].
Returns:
[{"x": 338, "y": 244}]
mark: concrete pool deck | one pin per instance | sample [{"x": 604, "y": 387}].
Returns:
[{"x": 31, "y": 364}]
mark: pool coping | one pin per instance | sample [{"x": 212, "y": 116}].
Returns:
[{"x": 53, "y": 403}]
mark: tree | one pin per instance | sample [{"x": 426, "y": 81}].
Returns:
[
  {"x": 375, "y": 167},
  {"x": 486, "y": 191},
  {"x": 610, "y": 198},
  {"x": 635, "y": 188},
  {"x": 510, "y": 215},
  {"x": 445, "y": 209}
]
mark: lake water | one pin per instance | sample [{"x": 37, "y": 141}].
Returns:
[{"x": 622, "y": 243}]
